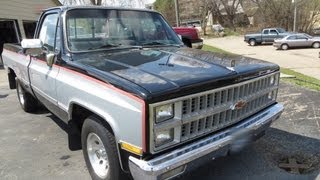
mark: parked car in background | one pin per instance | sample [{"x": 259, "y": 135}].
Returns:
[
  {"x": 194, "y": 23},
  {"x": 190, "y": 36},
  {"x": 297, "y": 40},
  {"x": 266, "y": 36}
]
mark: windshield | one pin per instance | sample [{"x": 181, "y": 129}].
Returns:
[
  {"x": 90, "y": 29},
  {"x": 280, "y": 30}
]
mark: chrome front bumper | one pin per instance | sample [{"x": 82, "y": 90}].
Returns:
[
  {"x": 276, "y": 45},
  {"x": 176, "y": 162},
  {"x": 197, "y": 45}
]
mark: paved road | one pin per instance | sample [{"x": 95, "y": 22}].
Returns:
[
  {"x": 305, "y": 61},
  {"x": 34, "y": 146}
]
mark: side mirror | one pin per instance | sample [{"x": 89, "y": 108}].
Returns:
[
  {"x": 32, "y": 47},
  {"x": 50, "y": 59}
]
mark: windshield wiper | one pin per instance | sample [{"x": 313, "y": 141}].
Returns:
[
  {"x": 105, "y": 46},
  {"x": 156, "y": 43}
]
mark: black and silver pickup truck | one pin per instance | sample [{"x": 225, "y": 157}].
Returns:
[
  {"x": 267, "y": 35},
  {"x": 134, "y": 97}
]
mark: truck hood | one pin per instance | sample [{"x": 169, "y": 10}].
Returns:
[{"x": 162, "y": 70}]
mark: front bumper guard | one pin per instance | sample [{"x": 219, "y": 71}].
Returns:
[{"x": 179, "y": 159}]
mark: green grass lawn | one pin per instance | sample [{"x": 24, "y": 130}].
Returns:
[
  {"x": 300, "y": 79},
  {"x": 215, "y": 49}
]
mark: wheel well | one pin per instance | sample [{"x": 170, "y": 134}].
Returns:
[
  {"x": 252, "y": 39},
  {"x": 12, "y": 78},
  {"x": 80, "y": 113},
  {"x": 316, "y": 42},
  {"x": 78, "y": 116}
]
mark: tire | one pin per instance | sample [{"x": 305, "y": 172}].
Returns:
[
  {"x": 99, "y": 150},
  {"x": 27, "y": 102},
  {"x": 12, "y": 80},
  {"x": 252, "y": 42},
  {"x": 284, "y": 47},
  {"x": 316, "y": 45}
]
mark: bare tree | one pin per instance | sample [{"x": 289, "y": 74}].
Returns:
[
  {"x": 205, "y": 8},
  {"x": 280, "y": 13},
  {"x": 309, "y": 15},
  {"x": 231, "y": 8}
]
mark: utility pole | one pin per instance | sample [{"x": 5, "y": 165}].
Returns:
[
  {"x": 294, "y": 16},
  {"x": 176, "y": 4}
]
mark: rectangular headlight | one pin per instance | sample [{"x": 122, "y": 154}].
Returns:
[
  {"x": 164, "y": 112},
  {"x": 163, "y": 137}
]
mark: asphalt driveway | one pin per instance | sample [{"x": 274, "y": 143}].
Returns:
[
  {"x": 305, "y": 60},
  {"x": 35, "y": 146}
]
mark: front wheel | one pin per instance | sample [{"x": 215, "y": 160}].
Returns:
[
  {"x": 252, "y": 42},
  {"x": 316, "y": 45},
  {"x": 99, "y": 150},
  {"x": 284, "y": 47},
  {"x": 27, "y": 102}
]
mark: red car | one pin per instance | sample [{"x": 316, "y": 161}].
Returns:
[{"x": 190, "y": 36}]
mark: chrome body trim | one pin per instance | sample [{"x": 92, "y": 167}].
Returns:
[{"x": 152, "y": 169}]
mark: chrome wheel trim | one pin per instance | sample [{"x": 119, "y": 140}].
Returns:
[
  {"x": 252, "y": 42},
  {"x": 20, "y": 94},
  {"x": 316, "y": 45},
  {"x": 284, "y": 47},
  {"x": 97, "y": 155}
]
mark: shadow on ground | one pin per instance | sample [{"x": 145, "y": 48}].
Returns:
[
  {"x": 3, "y": 96},
  {"x": 261, "y": 159}
]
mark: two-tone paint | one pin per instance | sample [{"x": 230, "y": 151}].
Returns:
[{"x": 120, "y": 84}]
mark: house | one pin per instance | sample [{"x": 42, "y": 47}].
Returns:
[
  {"x": 190, "y": 10},
  {"x": 18, "y": 18}
]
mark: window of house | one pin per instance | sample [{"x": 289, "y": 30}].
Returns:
[
  {"x": 29, "y": 28},
  {"x": 9, "y": 31}
]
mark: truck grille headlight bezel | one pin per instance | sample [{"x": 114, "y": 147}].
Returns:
[
  {"x": 164, "y": 113},
  {"x": 167, "y": 136}
]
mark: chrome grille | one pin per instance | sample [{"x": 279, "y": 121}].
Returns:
[
  {"x": 214, "y": 110},
  {"x": 206, "y": 112}
]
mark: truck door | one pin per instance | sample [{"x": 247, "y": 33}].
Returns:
[
  {"x": 265, "y": 35},
  {"x": 273, "y": 34},
  {"x": 42, "y": 76}
]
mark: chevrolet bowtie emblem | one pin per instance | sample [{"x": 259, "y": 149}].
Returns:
[{"x": 239, "y": 105}]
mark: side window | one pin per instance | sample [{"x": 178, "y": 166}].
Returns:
[
  {"x": 48, "y": 31},
  {"x": 58, "y": 39},
  {"x": 291, "y": 37},
  {"x": 301, "y": 37},
  {"x": 266, "y": 31},
  {"x": 272, "y": 31}
]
